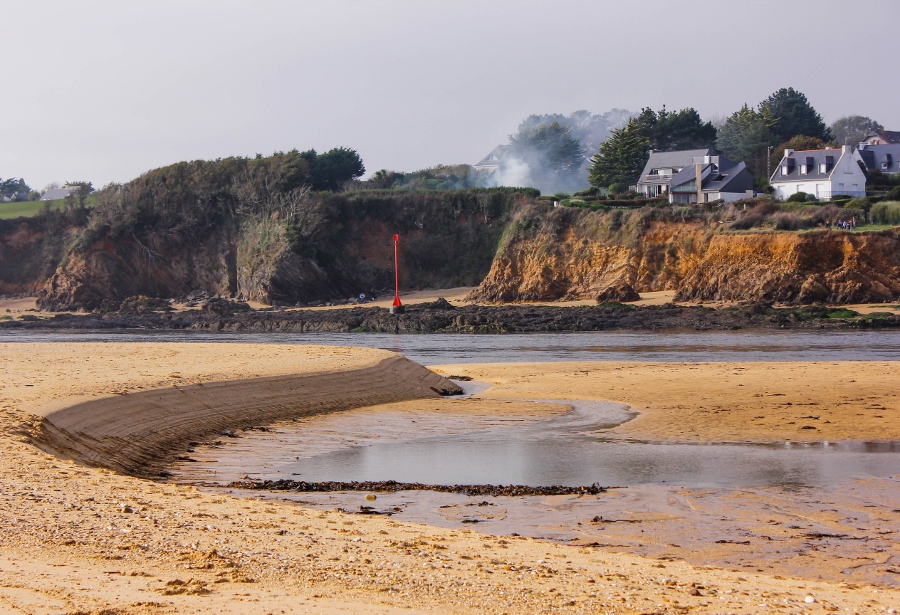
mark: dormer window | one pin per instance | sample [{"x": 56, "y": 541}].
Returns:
[
  {"x": 804, "y": 169},
  {"x": 785, "y": 170},
  {"x": 654, "y": 171}
]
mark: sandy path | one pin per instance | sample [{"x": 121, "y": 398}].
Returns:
[
  {"x": 76, "y": 539},
  {"x": 721, "y": 402}
]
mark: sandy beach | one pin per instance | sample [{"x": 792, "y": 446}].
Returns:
[{"x": 84, "y": 539}]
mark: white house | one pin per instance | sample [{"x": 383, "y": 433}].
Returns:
[{"x": 822, "y": 172}]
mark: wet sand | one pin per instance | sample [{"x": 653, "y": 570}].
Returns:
[
  {"x": 719, "y": 402},
  {"x": 84, "y": 539}
]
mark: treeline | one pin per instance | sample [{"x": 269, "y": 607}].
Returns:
[{"x": 785, "y": 119}]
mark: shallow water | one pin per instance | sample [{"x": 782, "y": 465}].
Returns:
[
  {"x": 568, "y": 449},
  {"x": 436, "y": 348}
]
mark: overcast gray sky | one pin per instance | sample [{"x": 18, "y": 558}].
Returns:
[{"x": 105, "y": 90}]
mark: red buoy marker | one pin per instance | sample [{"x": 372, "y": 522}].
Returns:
[{"x": 397, "y": 308}]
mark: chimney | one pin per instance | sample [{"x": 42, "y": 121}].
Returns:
[
  {"x": 698, "y": 169},
  {"x": 788, "y": 152},
  {"x": 846, "y": 149}
]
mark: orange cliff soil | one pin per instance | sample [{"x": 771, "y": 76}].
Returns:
[{"x": 572, "y": 255}]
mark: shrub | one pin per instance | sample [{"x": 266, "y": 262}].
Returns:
[
  {"x": 893, "y": 194},
  {"x": 858, "y": 203},
  {"x": 788, "y": 222},
  {"x": 812, "y": 198},
  {"x": 886, "y": 212},
  {"x": 797, "y": 197}
]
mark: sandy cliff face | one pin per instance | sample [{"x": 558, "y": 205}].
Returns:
[
  {"x": 570, "y": 261},
  {"x": 581, "y": 255},
  {"x": 827, "y": 266}
]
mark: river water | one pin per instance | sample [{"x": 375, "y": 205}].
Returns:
[{"x": 436, "y": 348}]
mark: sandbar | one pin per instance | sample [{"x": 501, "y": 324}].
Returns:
[{"x": 82, "y": 539}]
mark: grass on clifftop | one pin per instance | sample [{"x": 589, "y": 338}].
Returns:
[{"x": 26, "y": 208}]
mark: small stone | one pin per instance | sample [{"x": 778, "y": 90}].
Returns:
[
  {"x": 695, "y": 592},
  {"x": 809, "y": 599},
  {"x": 371, "y": 496}
]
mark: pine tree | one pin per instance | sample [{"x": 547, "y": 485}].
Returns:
[
  {"x": 794, "y": 116},
  {"x": 621, "y": 158}
]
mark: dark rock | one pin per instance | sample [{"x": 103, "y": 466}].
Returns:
[{"x": 622, "y": 292}]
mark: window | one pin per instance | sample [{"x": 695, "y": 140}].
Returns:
[
  {"x": 803, "y": 169},
  {"x": 885, "y": 165},
  {"x": 785, "y": 170},
  {"x": 823, "y": 168}
]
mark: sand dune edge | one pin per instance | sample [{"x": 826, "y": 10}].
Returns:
[{"x": 140, "y": 433}]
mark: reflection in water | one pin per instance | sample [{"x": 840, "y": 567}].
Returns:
[{"x": 567, "y": 449}]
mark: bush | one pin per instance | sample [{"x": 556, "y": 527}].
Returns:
[
  {"x": 797, "y": 197},
  {"x": 858, "y": 203},
  {"x": 788, "y": 222},
  {"x": 886, "y": 212},
  {"x": 893, "y": 194},
  {"x": 811, "y": 198}
]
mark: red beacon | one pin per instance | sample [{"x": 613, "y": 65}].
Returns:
[{"x": 397, "y": 308}]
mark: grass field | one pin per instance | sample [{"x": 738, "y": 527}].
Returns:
[{"x": 25, "y": 208}]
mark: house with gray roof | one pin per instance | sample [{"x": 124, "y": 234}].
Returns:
[
  {"x": 711, "y": 178},
  {"x": 663, "y": 166},
  {"x": 823, "y": 173},
  {"x": 882, "y": 137},
  {"x": 54, "y": 194},
  {"x": 492, "y": 161},
  {"x": 884, "y": 157}
]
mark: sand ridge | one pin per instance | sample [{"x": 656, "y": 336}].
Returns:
[{"x": 77, "y": 539}]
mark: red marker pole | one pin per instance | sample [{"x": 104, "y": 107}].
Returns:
[{"x": 397, "y": 308}]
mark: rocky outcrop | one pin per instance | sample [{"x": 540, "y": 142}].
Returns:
[
  {"x": 826, "y": 266},
  {"x": 590, "y": 255},
  {"x": 115, "y": 270}
]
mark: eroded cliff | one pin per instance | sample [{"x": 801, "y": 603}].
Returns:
[{"x": 569, "y": 253}]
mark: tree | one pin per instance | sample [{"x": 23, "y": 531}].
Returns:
[
  {"x": 850, "y": 129},
  {"x": 14, "y": 188},
  {"x": 621, "y": 158},
  {"x": 329, "y": 171},
  {"x": 591, "y": 129},
  {"x": 798, "y": 143},
  {"x": 679, "y": 130},
  {"x": 747, "y": 135},
  {"x": 794, "y": 116},
  {"x": 550, "y": 148}
]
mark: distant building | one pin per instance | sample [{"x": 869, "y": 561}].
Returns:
[
  {"x": 676, "y": 174},
  {"x": 823, "y": 173},
  {"x": 881, "y": 137},
  {"x": 884, "y": 158},
  {"x": 54, "y": 194},
  {"x": 714, "y": 178},
  {"x": 663, "y": 166},
  {"x": 492, "y": 161}
]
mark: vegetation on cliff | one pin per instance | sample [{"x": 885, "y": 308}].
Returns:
[{"x": 254, "y": 229}]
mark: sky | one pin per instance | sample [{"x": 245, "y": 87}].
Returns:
[{"x": 105, "y": 90}]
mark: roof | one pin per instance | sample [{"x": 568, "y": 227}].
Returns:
[
  {"x": 727, "y": 176},
  {"x": 888, "y": 136},
  {"x": 493, "y": 159},
  {"x": 874, "y": 156},
  {"x": 813, "y": 157},
  {"x": 54, "y": 194},
  {"x": 670, "y": 160}
]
